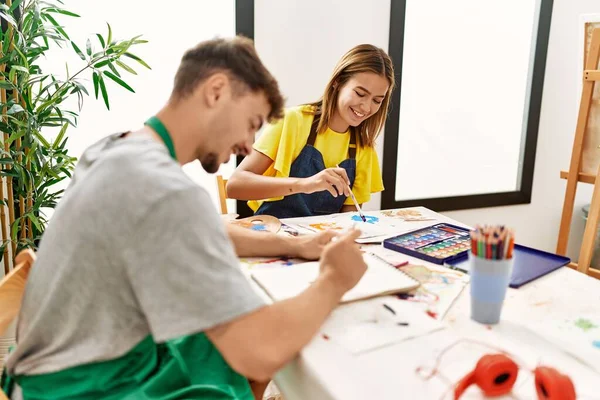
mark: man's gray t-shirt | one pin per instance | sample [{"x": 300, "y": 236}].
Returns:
[{"x": 135, "y": 248}]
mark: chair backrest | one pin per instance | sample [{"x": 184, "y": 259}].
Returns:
[
  {"x": 12, "y": 287},
  {"x": 221, "y": 184},
  {"x": 3, "y": 396}
]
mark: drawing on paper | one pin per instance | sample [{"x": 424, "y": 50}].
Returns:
[
  {"x": 585, "y": 324},
  {"x": 439, "y": 288},
  {"x": 370, "y": 219},
  {"x": 255, "y": 262},
  {"x": 582, "y": 329},
  {"x": 407, "y": 215},
  {"x": 323, "y": 226}
]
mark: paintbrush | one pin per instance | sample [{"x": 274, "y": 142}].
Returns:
[{"x": 362, "y": 216}]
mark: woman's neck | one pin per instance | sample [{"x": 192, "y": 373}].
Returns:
[{"x": 337, "y": 123}]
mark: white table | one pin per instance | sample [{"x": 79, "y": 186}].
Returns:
[{"x": 325, "y": 371}]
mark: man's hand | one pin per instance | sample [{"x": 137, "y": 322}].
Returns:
[{"x": 342, "y": 262}]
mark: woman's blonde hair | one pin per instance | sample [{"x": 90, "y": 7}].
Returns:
[{"x": 362, "y": 58}]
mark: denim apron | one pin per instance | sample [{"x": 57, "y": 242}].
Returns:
[{"x": 308, "y": 163}]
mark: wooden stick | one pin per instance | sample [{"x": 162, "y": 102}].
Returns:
[
  {"x": 575, "y": 166},
  {"x": 589, "y": 235},
  {"x": 19, "y": 145},
  {"x": 30, "y": 183},
  {"x": 9, "y": 182},
  {"x": 5, "y": 236},
  {"x": 6, "y": 229}
]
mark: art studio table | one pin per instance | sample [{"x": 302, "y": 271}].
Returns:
[{"x": 554, "y": 320}]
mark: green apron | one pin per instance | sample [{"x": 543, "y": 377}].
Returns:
[{"x": 186, "y": 368}]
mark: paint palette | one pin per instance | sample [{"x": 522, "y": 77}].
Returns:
[{"x": 438, "y": 244}]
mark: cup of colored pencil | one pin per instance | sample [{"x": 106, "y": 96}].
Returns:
[
  {"x": 490, "y": 267},
  {"x": 492, "y": 242}
]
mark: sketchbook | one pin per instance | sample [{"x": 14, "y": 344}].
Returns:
[{"x": 380, "y": 279}]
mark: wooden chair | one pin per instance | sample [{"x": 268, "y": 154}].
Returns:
[
  {"x": 221, "y": 184},
  {"x": 12, "y": 287}
]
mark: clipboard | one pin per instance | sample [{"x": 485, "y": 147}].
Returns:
[{"x": 529, "y": 265}]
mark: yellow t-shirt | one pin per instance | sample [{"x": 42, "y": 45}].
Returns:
[{"x": 283, "y": 141}]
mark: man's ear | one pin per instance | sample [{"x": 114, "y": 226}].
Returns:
[{"x": 215, "y": 88}]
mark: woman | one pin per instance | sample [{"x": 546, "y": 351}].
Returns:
[{"x": 307, "y": 163}]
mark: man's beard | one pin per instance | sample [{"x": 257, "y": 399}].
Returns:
[{"x": 210, "y": 163}]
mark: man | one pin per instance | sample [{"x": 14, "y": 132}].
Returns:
[{"x": 137, "y": 292}]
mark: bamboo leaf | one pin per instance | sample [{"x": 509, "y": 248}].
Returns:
[
  {"x": 41, "y": 139},
  {"x": 95, "y": 77},
  {"x": 113, "y": 69},
  {"x": 101, "y": 40},
  {"x": 60, "y": 136},
  {"x": 14, "y": 5},
  {"x": 109, "y": 38},
  {"x": 88, "y": 47},
  {"x": 103, "y": 90},
  {"x": 119, "y": 81},
  {"x": 6, "y": 84},
  {"x": 8, "y": 19},
  {"x": 35, "y": 221},
  {"x": 126, "y": 67},
  {"x": 59, "y": 28},
  {"x": 63, "y": 12},
  {"x": 78, "y": 51},
  {"x": 14, "y": 230},
  {"x": 16, "y": 108},
  {"x": 19, "y": 68},
  {"x": 9, "y": 172},
  {"x": 14, "y": 136},
  {"x": 23, "y": 57},
  {"x": 136, "y": 58},
  {"x": 101, "y": 64},
  {"x": 81, "y": 87}
]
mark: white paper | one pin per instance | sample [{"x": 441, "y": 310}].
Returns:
[
  {"x": 373, "y": 326},
  {"x": 288, "y": 281}
]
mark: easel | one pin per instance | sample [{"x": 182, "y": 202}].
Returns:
[{"x": 591, "y": 75}]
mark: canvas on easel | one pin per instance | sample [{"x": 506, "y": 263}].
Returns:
[
  {"x": 590, "y": 158},
  {"x": 587, "y": 170}
]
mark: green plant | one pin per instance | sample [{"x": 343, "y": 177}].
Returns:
[{"x": 33, "y": 100}]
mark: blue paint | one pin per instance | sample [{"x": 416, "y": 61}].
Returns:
[
  {"x": 596, "y": 344},
  {"x": 258, "y": 227},
  {"x": 370, "y": 219}
]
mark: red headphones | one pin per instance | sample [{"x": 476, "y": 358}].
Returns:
[{"x": 496, "y": 374}]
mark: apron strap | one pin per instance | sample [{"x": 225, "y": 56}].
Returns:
[
  {"x": 312, "y": 136},
  {"x": 352, "y": 145}
]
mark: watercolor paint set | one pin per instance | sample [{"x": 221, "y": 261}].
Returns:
[{"x": 439, "y": 244}]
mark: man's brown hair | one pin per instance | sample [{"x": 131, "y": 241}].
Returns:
[{"x": 238, "y": 58}]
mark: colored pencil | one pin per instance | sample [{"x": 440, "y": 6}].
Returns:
[{"x": 492, "y": 242}]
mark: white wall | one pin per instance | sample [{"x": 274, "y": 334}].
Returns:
[
  {"x": 537, "y": 223},
  {"x": 282, "y": 43},
  {"x": 300, "y": 41},
  {"x": 170, "y": 31}
]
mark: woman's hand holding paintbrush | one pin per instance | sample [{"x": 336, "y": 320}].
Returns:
[{"x": 334, "y": 180}]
